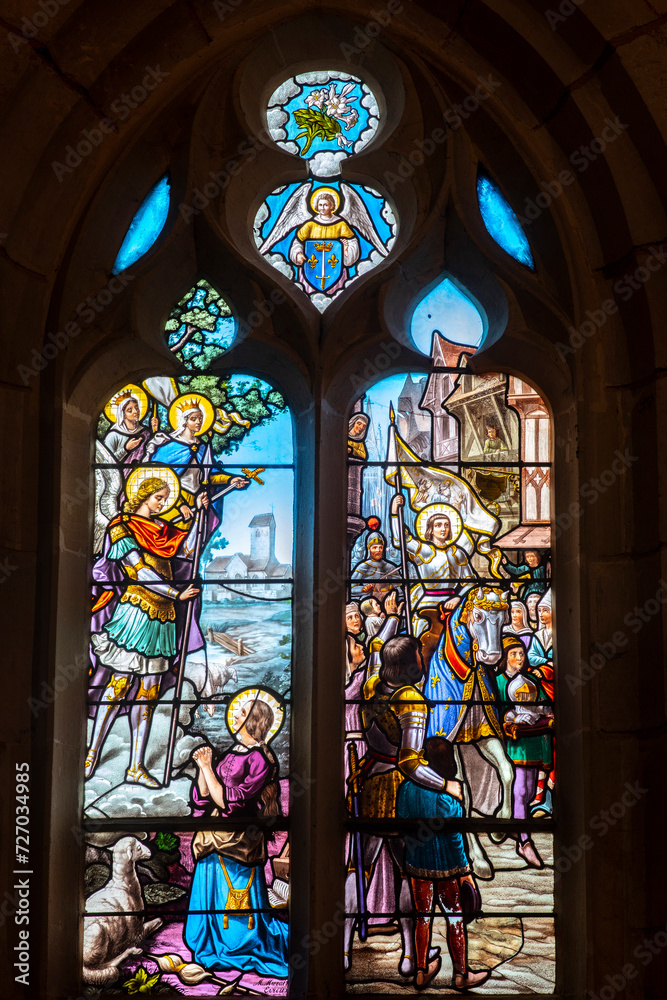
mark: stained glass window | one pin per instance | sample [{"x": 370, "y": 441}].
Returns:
[
  {"x": 186, "y": 814},
  {"x": 325, "y": 232},
  {"x": 323, "y": 116},
  {"x": 449, "y": 677},
  {"x": 200, "y": 327},
  {"x": 145, "y": 227},
  {"x": 449, "y": 312},
  {"x": 502, "y": 222}
]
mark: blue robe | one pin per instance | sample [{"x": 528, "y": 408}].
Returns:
[
  {"x": 262, "y": 949},
  {"x": 178, "y": 454},
  {"x": 451, "y": 681}
]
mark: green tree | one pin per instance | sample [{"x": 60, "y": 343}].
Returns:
[
  {"x": 199, "y": 326},
  {"x": 253, "y": 400}
]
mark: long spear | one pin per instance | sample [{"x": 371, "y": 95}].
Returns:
[
  {"x": 398, "y": 486},
  {"x": 180, "y": 674},
  {"x": 357, "y": 844}
]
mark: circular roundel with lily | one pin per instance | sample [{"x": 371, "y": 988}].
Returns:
[{"x": 324, "y": 233}]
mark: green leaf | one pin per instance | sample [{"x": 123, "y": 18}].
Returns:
[
  {"x": 141, "y": 982},
  {"x": 134, "y": 985},
  {"x": 165, "y": 841},
  {"x": 316, "y": 124}
]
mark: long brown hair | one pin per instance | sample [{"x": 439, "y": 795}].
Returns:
[{"x": 257, "y": 724}]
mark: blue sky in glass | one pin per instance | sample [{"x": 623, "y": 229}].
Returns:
[
  {"x": 145, "y": 227},
  {"x": 221, "y": 338},
  {"x": 502, "y": 223},
  {"x": 353, "y": 100},
  {"x": 271, "y": 442},
  {"x": 206, "y": 345},
  {"x": 374, "y": 203},
  {"x": 448, "y": 311},
  {"x": 240, "y": 506},
  {"x": 376, "y": 404}
]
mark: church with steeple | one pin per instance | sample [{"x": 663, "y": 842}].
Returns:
[{"x": 260, "y": 564}]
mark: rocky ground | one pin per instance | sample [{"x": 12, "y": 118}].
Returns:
[
  {"x": 266, "y": 628},
  {"x": 519, "y": 949}
]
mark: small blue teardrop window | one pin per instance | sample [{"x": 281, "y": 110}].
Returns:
[
  {"x": 448, "y": 311},
  {"x": 145, "y": 227},
  {"x": 502, "y": 223}
]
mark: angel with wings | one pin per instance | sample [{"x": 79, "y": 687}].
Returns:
[{"x": 325, "y": 245}]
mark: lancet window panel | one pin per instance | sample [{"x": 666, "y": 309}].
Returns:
[
  {"x": 449, "y": 761},
  {"x": 187, "y": 772}
]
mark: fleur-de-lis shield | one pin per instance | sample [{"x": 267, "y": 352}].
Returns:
[{"x": 324, "y": 263}]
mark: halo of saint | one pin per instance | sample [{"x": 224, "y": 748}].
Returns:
[
  {"x": 142, "y": 473},
  {"x": 251, "y": 695},
  {"x": 445, "y": 510},
  {"x": 115, "y": 408},
  {"x": 188, "y": 403}
]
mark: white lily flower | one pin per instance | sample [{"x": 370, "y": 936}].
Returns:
[
  {"x": 337, "y": 103},
  {"x": 352, "y": 118},
  {"x": 316, "y": 97}
]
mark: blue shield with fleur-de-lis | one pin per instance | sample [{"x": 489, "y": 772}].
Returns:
[{"x": 323, "y": 264}]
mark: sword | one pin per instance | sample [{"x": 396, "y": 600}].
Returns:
[
  {"x": 251, "y": 474},
  {"x": 180, "y": 673},
  {"x": 358, "y": 852},
  {"x": 221, "y": 493}
]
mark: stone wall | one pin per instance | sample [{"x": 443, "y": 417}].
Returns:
[{"x": 559, "y": 84}]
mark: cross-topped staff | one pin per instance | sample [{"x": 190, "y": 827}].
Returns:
[
  {"x": 207, "y": 464},
  {"x": 398, "y": 486}
]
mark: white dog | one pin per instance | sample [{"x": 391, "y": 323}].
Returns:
[{"x": 109, "y": 940}]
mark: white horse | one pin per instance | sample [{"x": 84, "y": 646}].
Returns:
[{"x": 462, "y": 695}]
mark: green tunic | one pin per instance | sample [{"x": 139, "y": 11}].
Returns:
[{"x": 526, "y": 751}]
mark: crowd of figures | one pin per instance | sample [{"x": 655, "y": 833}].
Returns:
[{"x": 449, "y": 715}]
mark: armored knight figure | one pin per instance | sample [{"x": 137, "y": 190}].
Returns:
[{"x": 373, "y": 575}]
